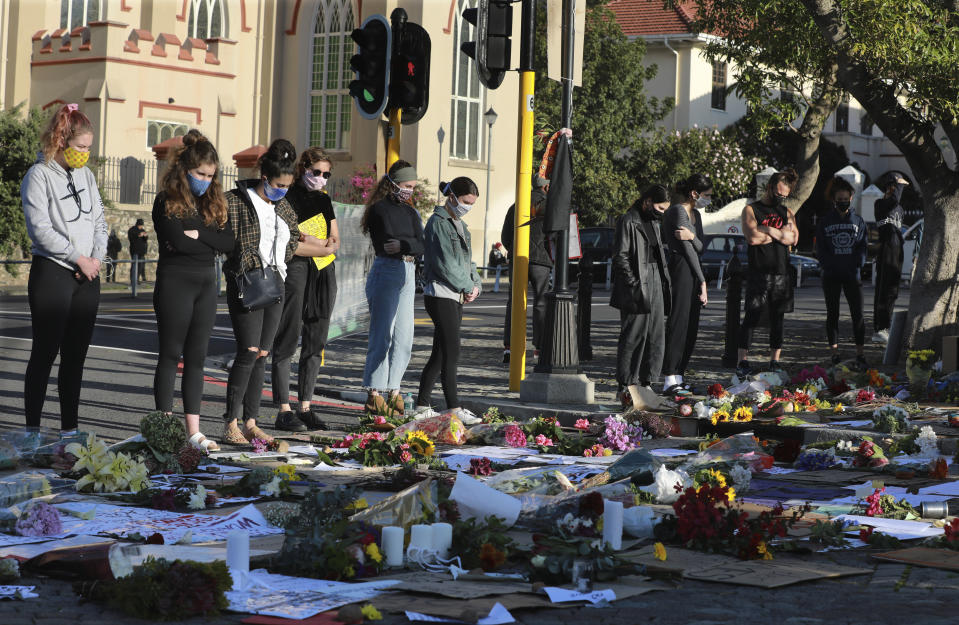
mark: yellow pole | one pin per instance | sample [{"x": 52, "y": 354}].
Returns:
[
  {"x": 393, "y": 141},
  {"x": 520, "y": 251}
]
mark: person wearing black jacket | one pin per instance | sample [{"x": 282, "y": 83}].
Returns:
[
  {"x": 309, "y": 294},
  {"x": 138, "y": 251},
  {"x": 540, "y": 263},
  {"x": 190, "y": 219},
  {"x": 114, "y": 245},
  {"x": 641, "y": 293},
  {"x": 841, "y": 249},
  {"x": 889, "y": 215}
]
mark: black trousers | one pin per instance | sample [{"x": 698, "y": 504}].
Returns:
[
  {"x": 888, "y": 275},
  {"x": 294, "y": 324},
  {"x": 184, "y": 301},
  {"x": 763, "y": 290},
  {"x": 63, "y": 312},
  {"x": 539, "y": 284},
  {"x": 256, "y": 329},
  {"x": 639, "y": 354},
  {"x": 140, "y": 268},
  {"x": 682, "y": 325},
  {"x": 447, "y": 316},
  {"x": 831, "y": 289}
]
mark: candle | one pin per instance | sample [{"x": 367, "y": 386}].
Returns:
[
  {"x": 442, "y": 539},
  {"x": 393, "y": 545},
  {"x": 238, "y": 550},
  {"x": 613, "y": 524},
  {"x": 421, "y": 537}
]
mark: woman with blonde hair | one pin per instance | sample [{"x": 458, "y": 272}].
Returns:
[
  {"x": 64, "y": 217},
  {"x": 396, "y": 230},
  {"x": 190, "y": 219}
]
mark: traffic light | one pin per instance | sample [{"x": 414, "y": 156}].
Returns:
[
  {"x": 410, "y": 72},
  {"x": 493, "y": 20},
  {"x": 372, "y": 66}
]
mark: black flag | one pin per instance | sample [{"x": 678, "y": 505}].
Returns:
[{"x": 560, "y": 196}]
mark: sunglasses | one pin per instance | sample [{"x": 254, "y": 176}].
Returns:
[{"x": 317, "y": 173}]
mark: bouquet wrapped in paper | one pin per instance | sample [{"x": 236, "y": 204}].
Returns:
[{"x": 443, "y": 428}]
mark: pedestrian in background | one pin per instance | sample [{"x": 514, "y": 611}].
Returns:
[
  {"x": 683, "y": 230},
  {"x": 496, "y": 256},
  {"x": 396, "y": 231},
  {"x": 310, "y": 293},
  {"x": 451, "y": 281},
  {"x": 114, "y": 246},
  {"x": 190, "y": 219},
  {"x": 137, "y": 237},
  {"x": 641, "y": 293},
  {"x": 841, "y": 250},
  {"x": 64, "y": 217},
  {"x": 889, "y": 216}
]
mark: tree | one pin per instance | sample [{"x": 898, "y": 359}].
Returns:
[
  {"x": 610, "y": 112},
  {"x": 19, "y": 144}
]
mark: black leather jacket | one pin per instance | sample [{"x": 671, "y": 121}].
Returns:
[{"x": 635, "y": 268}]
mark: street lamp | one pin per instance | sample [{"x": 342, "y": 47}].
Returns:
[
  {"x": 490, "y": 117},
  {"x": 440, "y": 135}
]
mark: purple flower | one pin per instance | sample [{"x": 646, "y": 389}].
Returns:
[
  {"x": 259, "y": 445},
  {"x": 620, "y": 435},
  {"x": 39, "y": 519}
]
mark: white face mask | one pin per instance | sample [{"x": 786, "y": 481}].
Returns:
[
  {"x": 460, "y": 209},
  {"x": 703, "y": 202}
]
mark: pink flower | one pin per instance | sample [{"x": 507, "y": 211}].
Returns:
[
  {"x": 406, "y": 456},
  {"x": 588, "y": 453},
  {"x": 379, "y": 420},
  {"x": 514, "y": 436},
  {"x": 543, "y": 440},
  {"x": 581, "y": 424}
]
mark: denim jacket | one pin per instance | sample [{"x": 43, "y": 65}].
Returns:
[{"x": 447, "y": 254}]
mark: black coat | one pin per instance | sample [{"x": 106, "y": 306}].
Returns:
[
  {"x": 538, "y": 243},
  {"x": 635, "y": 267}
]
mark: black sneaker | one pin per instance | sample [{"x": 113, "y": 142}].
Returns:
[
  {"x": 861, "y": 363},
  {"x": 287, "y": 421},
  {"x": 743, "y": 369},
  {"x": 836, "y": 359},
  {"x": 312, "y": 421},
  {"x": 776, "y": 367},
  {"x": 505, "y": 356}
]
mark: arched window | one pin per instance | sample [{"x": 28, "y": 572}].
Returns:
[
  {"x": 75, "y": 13},
  {"x": 466, "y": 107},
  {"x": 207, "y": 19},
  {"x": 330, "y": 102}
]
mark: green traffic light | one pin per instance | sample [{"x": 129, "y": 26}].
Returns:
[{"x": 367, "y": 96}]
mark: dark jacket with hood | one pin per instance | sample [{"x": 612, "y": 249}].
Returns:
[
  {"x": 637, "y": 265},
  {"x": 538, "y": 243},
  {"x": 841, "y": 245}
]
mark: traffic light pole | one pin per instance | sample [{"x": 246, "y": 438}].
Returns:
[
  {"x": 393, "y": 138},
  {"x": 524, "y": 181}
]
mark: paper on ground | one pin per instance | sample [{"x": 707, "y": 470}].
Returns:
[
  {"x": 948, "y": 488},
  {"x": 497, "y": 616},
  {"x": 492, "y": 451},
  {"x": 779, "y": 470},
  {"x": 23, "y": 592},
  {"x": 477, "y": 500},
  {"x": 562, "y": 595},
  {"x": 903, "y": 530},
  {"x": 668, "y": 453},
  {"x": 30, "y": 550},
  {"x": 912, "y": 500}
]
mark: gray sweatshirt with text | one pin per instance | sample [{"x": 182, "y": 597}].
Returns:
[{"x": 63, "y": 221}]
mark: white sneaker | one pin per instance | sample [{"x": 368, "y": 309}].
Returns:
[
  {"x": 423, "y": 412},
  {"x": 467, "y": 417},
  {"x": 881, "y": 337}
]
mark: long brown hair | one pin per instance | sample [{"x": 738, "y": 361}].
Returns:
[
  {"x": 67, "y": 123},
  {"x": 311, "y": 155},
  {"x": 180, "y": 201},
  {"x": 383, "y": 188}
]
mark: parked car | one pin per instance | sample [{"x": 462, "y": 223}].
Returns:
[
  {"x": 597, "y": 245},
  {"x": 718, "y": 250}
]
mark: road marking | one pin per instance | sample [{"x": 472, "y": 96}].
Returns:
[{"x": 116, "y": 349}]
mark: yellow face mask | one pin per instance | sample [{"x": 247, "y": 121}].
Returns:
[{"x": 75, "y": 158}]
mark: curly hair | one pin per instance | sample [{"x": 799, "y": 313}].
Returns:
[
  {"x": 308, "y": 157},
  {"x": 836, "y": 185},
  {"x": 68, "y": 122},
  {"x": 180, "y": 201}
]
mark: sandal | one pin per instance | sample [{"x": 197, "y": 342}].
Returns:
[
  {"x": 397, "y": 404},
  {"x": 256, "y": 432},
  {"x": 201, "y": 442},
  {"x": 232, "y": 435},
  {"x": 376, "y": 405}
]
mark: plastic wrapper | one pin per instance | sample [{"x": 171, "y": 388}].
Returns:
[
  {"x": 416, "y": 504},
  {"x": 487, "y": 434},
  {"x": 749, "y": 386},
  {"x": 638, "y": 521},
  {"x": 664, "y": 484},
  {"x": 738, "y": 448},
  {"x": 445, "y": 428},
  {"x": 16, "y": 445},
  {"x": 633, "y": 463},
  {"x": 533, "y": 480},
  {"x": 26, "y": 485}
]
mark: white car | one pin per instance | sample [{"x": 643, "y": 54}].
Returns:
[{"x": 910, "y": 249}]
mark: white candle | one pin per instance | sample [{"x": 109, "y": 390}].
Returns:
[
  {"x": 442, "y": 539},
  {"x": 421, "y": 537},
  {"x": 393, "y": 545},
  {"x": 613, "y": 524},
  {"x": 238, "y": 550}
]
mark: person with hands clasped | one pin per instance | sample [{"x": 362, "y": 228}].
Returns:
[
  {"x": 451, "y": 281},
  {"x": 889, "y": 214},
  {"x": 396, "y": 230},
  {"x": 190, "y": 219},
  {"x": 65, "y": 221},
  {"x": 683, "y": 233}
]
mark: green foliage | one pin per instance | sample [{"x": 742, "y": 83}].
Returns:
[
  {"x": 19, "y": 144},
  {"x": 164, "y": 432},
  {"x": 481, "y": 545},
  {"x": 829, "y": 533},
  {"x": 611, "y": 111}
]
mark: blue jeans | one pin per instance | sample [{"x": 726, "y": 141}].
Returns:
[{"x": 390, "y": 290}]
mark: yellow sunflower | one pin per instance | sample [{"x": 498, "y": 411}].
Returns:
[
  {"x": 420, "y": 443},
  {"x": 743, "y": 413},
  {"x": 720, "y": 416}
]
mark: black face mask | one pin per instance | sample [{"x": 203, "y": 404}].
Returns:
[
  {"x": 843, "y": 207},
  {"x": 652, "y": 214}
]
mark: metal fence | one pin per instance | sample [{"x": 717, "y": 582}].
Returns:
[{"x": 131, "y": 180}]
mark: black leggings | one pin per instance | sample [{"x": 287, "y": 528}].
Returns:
[
  {"x": 252, "y": 329},
  {"x": 447, "y": 316},
  {"x": 682, "y": 325},
  {"x": 888, "y": 275},
  {"x": 63, "y": 312},
  {"x": 831, "y": 288},
  {"x": 185, "y": 304}
]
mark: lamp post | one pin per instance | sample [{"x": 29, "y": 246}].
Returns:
[
  {"x": 440, "y": 135},
  {"x": 490, "y": 117}
]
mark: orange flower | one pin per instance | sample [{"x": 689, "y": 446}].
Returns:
[{"x": 490, "y": 557}]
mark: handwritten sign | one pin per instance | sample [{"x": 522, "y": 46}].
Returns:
[
  {"x": 562, "y": 595},
  {"x": 316, "y": 226}
]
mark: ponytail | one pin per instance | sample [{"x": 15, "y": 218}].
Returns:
[{"x": 67, "y": 123}]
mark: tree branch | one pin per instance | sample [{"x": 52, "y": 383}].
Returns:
[
  {"x": 915, "y": 139},
  {"x": 821, "y": 106}
]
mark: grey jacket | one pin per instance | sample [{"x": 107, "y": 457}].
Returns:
[
  {"x": 636, "y": 269},
  {"x": 63, "y": 223},
  {"x": 446, "y": 257}
]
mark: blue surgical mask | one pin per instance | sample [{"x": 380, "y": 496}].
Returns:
[
  {"x": 273, "y": 194},
  {"x": 197, "y": 185}
]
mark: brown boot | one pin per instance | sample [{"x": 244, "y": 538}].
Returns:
[
  {"x": 376, "y": 405},
  {"x": 397, "y": 405}
]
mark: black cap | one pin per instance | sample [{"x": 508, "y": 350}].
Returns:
[{"x": 139, "y": 222}]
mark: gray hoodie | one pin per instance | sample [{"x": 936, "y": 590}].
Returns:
[{"x": 60, "y": 228}]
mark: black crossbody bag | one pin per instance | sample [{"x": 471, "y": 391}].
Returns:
[{"x": 260, "y": 288}]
